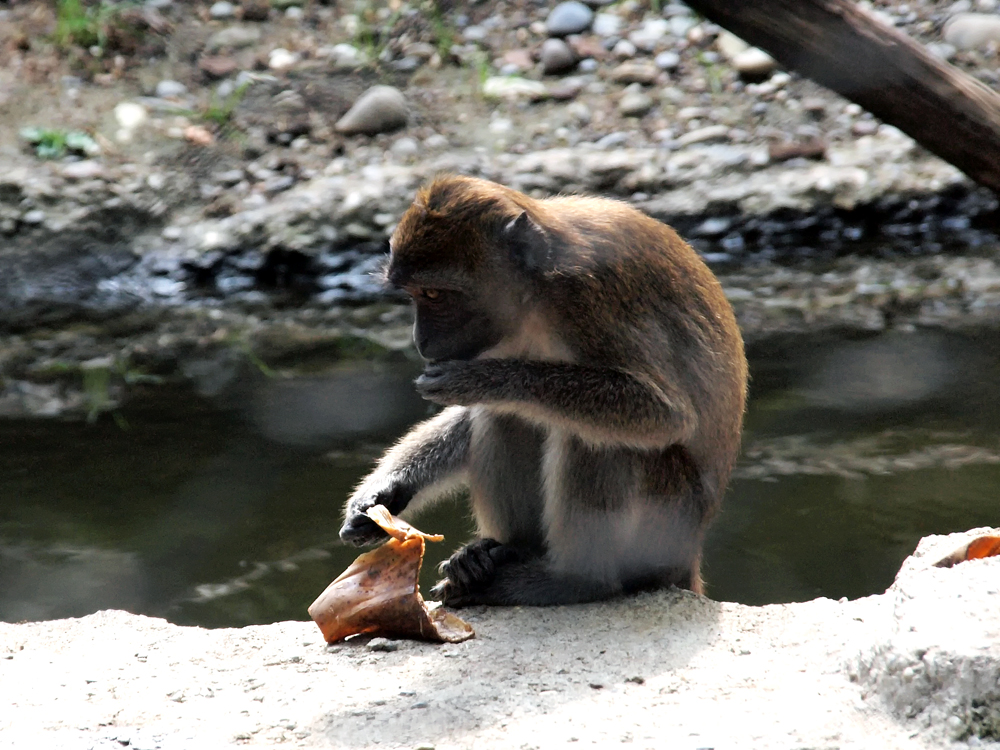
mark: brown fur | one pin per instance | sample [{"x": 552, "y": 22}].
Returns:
[{"x": 607, "y": 332}]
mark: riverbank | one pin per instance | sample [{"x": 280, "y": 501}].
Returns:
[{"x": 220, "y": 224}]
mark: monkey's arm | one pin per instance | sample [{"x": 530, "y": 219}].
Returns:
[
  {"x": 425, "y": 463},
  {"x": 601, "y": 404}
]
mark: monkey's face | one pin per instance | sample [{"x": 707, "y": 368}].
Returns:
[{"x": 450, "y": 324}]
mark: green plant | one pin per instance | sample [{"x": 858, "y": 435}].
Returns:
[
  {"x": 444, "y": 33},
  {"x": 54, "y": 143},
  {"x": 221, "y": 112},
  {"x": 84, "y": 26}
]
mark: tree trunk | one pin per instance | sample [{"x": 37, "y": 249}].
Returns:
[{"x": 841, "y": 47}]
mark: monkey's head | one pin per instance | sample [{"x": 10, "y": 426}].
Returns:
[{"x": 465, "y": 252}]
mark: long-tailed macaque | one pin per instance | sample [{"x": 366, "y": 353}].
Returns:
[{"x": 594, "y": 382}]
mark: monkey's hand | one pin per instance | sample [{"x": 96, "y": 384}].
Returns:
[
  {"x": 471, "y": 570},
  {"x": 463, "y": 382},
  {"x": 358, "y": 528}
]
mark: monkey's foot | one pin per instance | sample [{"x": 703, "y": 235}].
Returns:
[{"x": 470, "y": 572}]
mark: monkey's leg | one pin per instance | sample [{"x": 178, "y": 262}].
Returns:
[
  {"x": 602, "y": 404},
  {"x": 428, "y": 462}
]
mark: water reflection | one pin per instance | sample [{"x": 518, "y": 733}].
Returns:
[{"x": 228, "y": 516}]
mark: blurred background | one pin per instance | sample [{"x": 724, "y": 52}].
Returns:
[{"x": 197, "y": 364}]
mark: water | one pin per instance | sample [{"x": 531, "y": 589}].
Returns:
[{"x": 215, "y": 516}]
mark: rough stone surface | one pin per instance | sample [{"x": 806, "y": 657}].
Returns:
[
  {"x": 380, "y": 109},
  {"x": 667, "y": 669},
  {"x": 937, "y": 661}
]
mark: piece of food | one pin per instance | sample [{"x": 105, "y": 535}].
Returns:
[
  {"x": 378, "y": 594},
  {"x": 984, "y": 546}
]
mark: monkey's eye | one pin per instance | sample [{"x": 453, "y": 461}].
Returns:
[{"x": 431, "y": 294}]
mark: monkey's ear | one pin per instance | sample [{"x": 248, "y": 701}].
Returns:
[{"x": 528, "y": 243}]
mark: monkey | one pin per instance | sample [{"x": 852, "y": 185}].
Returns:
[{"x": 593, "y": 380}]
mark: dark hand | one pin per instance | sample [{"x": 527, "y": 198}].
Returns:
[
  {"x": 358, "y": 528},
  {"x": 463, "y": 383}
]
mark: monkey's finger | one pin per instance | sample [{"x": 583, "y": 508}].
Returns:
[{"x": 360, "y": 530}]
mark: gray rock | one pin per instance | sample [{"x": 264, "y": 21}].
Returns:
[
  {"x": 170, "y": 89},
  {"x": 972, "y": 30},
  {"x": 570, "y": 17},
  {"x": 635, "y": 104},
  {"x": 588, "y": 65},
  {"x": 35, "y": 216},
  {"x": 635, "y": 72},
  {"x": 606, "y": 24},
  {"x": 405, "y": 147},
  {"x": 942, "y": 49},
  {"x": 382, "y": 644},
  {"x": 754, "y": 63},
  {"x": 557, "y": 57},
  {"x": 667, "y": 60},
  {"x": 233, "y": 38},
  {"x": 222, "y": 9},
  {"x": 379, "y": 110}
]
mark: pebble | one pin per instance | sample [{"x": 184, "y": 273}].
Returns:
[
  {"x": 234, "y": 37},
  {"x": 88, "y": 169},
  {"x": 514, "y": 88},
  {"x": 635, "y": 72},
  {"x": 379, "y": 110},
  {"x": 754, "y": 63},
  {"x": 221, "y": 10},
  {"x": 557, "y": 57},
  {"x": 569, "y": 17},
  {"x": 229, "y": 177},
  {"x": 474, "y": 33},
  {"x": 972, "y": 30},
  {"x": 130, "y": 115},
  {"x": 217, "y": 66},
  {"x": 344, "y": 56},
  {"x": 942, "y": 50},
  {"x": 35, "y": 216},
  {"x": 405, "y": 147},
  {"x": 864, "y": 127},
  {"x": 701, "y": 135},
  {"x": 606, "y": 24},
  {"x": 281, "y": 59},
  {"x": 730, "y": 45},
  {"x": 635, "y": 103},
  {"x": 436, "y": 141},
  {"x": 667, "y": 60},
  {"x": 650, "y": 34},
  {"x": 170, "y": 89},
  {"x": 519, "y": 59},
  {"x": 814, "y": 105},
  {"x": 256, "y": 10},
  {"x": 624, "y": 50},
  {"x": 294, "y": 12}
]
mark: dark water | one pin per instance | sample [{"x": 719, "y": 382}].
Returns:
[{"x": 228, "y": 516}]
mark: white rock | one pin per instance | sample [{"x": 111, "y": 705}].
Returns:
[
  {"x": 222, "y": 9},
  {"x": 83, "y": 170},
  {"x": 635, "y": 103},
  {"x": 379, "y": 110},
  {"x": 281, "y": 59},
  {"x": 624, "y": 49},
  {"x": 972, "y": 30},
  {"x": 667, "y": 60},
  {"x": 170, "y": 89},
  {"x": 701, "y": 135},
  {"x": 730, "y": 45},
  {"x": 130, "y": 115},
  {"x": 754, "y": 62},
  {"x": 606, "y": 24},
  {"x": 514, "y": 88},
  {"x": 650, "y": 33}
]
